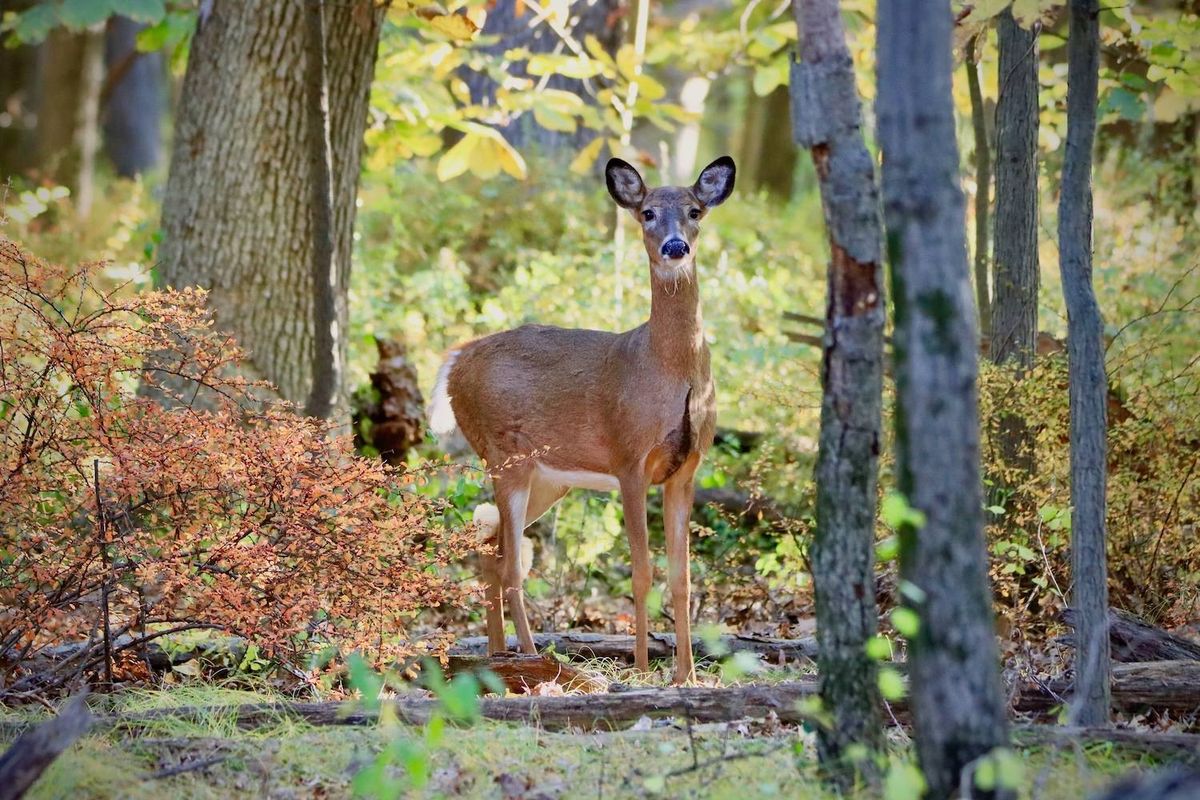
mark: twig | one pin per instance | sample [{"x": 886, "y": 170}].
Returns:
[
  {"x": 186, "y": 766},
  {"x": 108, "y": 676}
]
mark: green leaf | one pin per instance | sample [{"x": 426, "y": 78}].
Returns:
[
  {"x": 904, "y": 781},
  {"x": 897, "y": 513},
  {"x": 154, "y": 37},
  {"x": 34, "y": 25},
  {"x": 891, "y": 684},
  {"x": 81, "y": 14},
  {"x": 906, "y": 621},
  {"x": 879, "y": 648},
  {"x": 147, "y": 11}
]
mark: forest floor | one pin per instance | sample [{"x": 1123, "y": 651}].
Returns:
[{"x": 213, "y": 758}]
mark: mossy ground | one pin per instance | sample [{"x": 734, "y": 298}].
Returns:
[{"x": 490, "y": 760}]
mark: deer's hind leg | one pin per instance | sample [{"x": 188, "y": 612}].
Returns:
[{"x": 512, "y": 498}]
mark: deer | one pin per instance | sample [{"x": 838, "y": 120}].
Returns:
[{"x": 551, "y": 409}]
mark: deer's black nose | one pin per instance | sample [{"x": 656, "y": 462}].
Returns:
[{"x": 675, "y": 248}]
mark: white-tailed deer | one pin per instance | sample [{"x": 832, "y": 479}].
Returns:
[{"x": 549, "y": 409}]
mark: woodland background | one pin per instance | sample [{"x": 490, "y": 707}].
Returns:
[{"x": 157, "y": 468}]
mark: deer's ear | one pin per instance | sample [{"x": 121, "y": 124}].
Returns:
[
  {"x": 715, "y": 183},
  {"x": 624, "y": 183}
]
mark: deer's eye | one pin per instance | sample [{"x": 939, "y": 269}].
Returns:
[
  {"x": 694, "y": 213},
  {"x": 648, "y": 215}
]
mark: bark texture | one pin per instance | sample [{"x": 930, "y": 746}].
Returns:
[
  {"x": 327, "y": 352},
  {"x": 1088, "y": 382},
  {"x": 1013, "y": 334},
  {"x": 954, "y": 666},
  {"x": 23, "y": 763},
  {"x": 1015, "y": 271},
  {"x": 827, "y": 118},
  {"x": 237, "y": 211}
]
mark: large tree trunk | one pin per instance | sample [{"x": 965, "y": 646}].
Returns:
[
  {"x": 510, "y": 20},
  {"x": 957, "y": 706},
  {"x": 828, "y": 121},
  {"x": 134, "y": 100},
  {"x": 1014, "y": 329},
  {"x": 236, "y": 216},
  {"x": 1088, "y": 383}
]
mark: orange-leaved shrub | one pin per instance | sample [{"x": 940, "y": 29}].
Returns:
[{"x": 214, "y": 509}]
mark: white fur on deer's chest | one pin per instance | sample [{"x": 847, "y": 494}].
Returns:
[{"x": 578, "y": 479}]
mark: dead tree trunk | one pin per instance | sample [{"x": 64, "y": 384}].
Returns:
[
  {"x": 1013, "y": 333},
  {"x": 1088, "y": 383},
  {"x": 237, "y": 213},
  {"x": 954, "y": 671},
  {"x": 827, "y": 116}
]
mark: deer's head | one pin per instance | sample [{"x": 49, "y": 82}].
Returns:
[{"x": 670, "y": 215}]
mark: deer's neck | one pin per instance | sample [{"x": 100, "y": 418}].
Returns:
[{"x": 676, "y": 324}]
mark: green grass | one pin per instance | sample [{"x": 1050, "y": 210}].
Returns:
[{"x": 291, "y": 759}]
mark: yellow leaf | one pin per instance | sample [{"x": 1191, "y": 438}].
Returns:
[
  {"x": 485, "y": 161},
  {"x": 582, "y": 163},
  {"x": 597, "y": 51},
  {"x": 457, "y": 158},
  {"x": 627, "y": 61},
  {"x": 650, "y": 89},
  {"x": 554, "y": 120},
  {"x": 456, "y": 26},
  {"x": 510, "y": 160}
]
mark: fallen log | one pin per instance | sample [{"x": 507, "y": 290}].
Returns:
[
  {"x": 583, "y": 711},
  {"x": 661, "y": 645},
  {"x": 1170, "y": 783},
  {"x": 1132, "y": 639},
  {"x": 24, "y": 762},
  {"x": 1160, "y": 685},
  {"x": 1177, "y": 746}
]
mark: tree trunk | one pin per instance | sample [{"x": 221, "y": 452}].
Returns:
[
  {"x": 59, "y": 72},
  {"x": 327, "y": 351},
  {"x": 1013, "y": 333},
  {"x": 957, "y": 706},
  {"x": 1088, "y": 383},
  {"x": 18, "y": 79},
  {"x": 134, "y": 101},
  {"x": 87, "y": 123},
  {"x": 510, "y": 21},
  {"x": 237, "y": 212},
  {"x": 828, "y": 121},
  {"x": 983, "y": 189}
]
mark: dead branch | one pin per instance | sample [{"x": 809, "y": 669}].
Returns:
[
  {"x": 1133, "y": 639},
  {"x": 24, "y": 762}
]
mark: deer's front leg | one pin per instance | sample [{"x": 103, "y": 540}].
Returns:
[
  {"x": 493, "y": 595},
  {"x": 633, "y": 503},
  {"x": 677, "y": 512}
]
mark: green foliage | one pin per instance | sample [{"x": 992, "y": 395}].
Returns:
[{"x": 35, "y": 23}]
